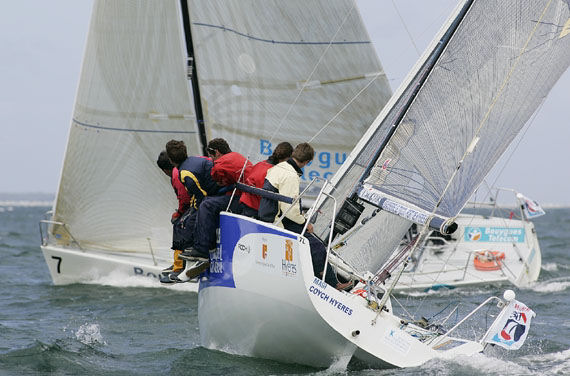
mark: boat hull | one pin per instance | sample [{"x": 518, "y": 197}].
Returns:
[
  {"x": 260, "y": 298},
  {"x": 453, "y": 264},
  {"x": 68, "y": 265}
]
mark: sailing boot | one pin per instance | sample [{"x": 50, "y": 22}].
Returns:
[
  {"x": 178, "y": 265},
  {"x": 193, "y": 269},
  {"x": 193, "y": 254}
]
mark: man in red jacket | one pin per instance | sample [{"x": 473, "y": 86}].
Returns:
[
  {"x": 228, "y": 168},
  {"x": 249, "y": 202},
  {"x": 178, "y": 219}
]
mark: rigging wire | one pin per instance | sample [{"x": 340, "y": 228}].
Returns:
[
  {"x": 305, "y": 83},
  {"x": 514, "y": 149},
  {"x": 406, "y": 28},
  {"x": 468, "y": 150}
]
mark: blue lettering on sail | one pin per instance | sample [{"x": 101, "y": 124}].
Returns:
[{"x": 324, "y": 164}]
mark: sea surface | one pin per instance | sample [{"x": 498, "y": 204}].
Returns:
[{"x": 136, "y": 327}]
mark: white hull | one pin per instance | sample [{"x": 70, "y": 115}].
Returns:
[
  {"x": 453, "y": 263},
  {"x": 260, "y": 299},
  {"x": 69, "y": 265}
]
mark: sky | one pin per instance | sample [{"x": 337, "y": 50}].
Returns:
[{"x": 40, "y": 60}]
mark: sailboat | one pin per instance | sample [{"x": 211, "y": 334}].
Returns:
[
  {"x": 253, "y": 72},
  {"x": 493, "y": 244},
  {"x": 431, "y": 146}
]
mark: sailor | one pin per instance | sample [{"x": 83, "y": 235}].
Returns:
[
  {"x": 195, "y": 174},
  {"x": 178, "y": 239},
  {"x": 249, "y": 202},
  {"x": 228, "y": 168},
  {"x": 284, "y": 179}
]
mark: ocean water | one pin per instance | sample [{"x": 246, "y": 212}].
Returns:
[{"x": 135, "y": 327}]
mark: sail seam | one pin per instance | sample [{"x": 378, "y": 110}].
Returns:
[
  {"x": 128, "y": 130},
  {"x": 259, "y": 39}
]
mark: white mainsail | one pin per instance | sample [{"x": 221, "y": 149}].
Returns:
[
  {"x": 272, "y": 71},
  {"x": 264, "y": 72},
  {"x": 467, "y": 98}
]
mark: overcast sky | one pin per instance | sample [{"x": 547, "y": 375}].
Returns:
[{"x": 40, "y": 59}]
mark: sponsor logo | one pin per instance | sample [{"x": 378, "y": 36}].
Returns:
[
  {"x": 264, "y": 251},
  {"x": 474, "y": 234},
  {"x": 216, "y": 261},
  {"x": 289, "y": 250},
  {"x": 396, "y": 339},
  {"x": 287, "y": 266},
  {"x": 494, "y": 234},
  {"x": 318, "y": 288},
  {"x": 244, "y": 248},
  {"x": 324, "y": 164}
]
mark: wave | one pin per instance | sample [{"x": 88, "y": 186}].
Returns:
[
  {"x": 552, "y": 285},
  {"x": 119, "y": 279},
  {"x": 9, "y": 205},
  {"x": 557, "y": 363}
]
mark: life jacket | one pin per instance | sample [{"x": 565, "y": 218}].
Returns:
[
  {"x": 255, "y": 178},
  {"x": 195, "y": 174},
  {"x": 181, "y": 192},
  {"x": 227, "y": 169}
]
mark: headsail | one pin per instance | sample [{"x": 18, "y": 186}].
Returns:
[
  {"x": 132, "y": 98},
  {"x": 474, "y": 89}
]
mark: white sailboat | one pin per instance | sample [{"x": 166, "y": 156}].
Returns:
[
  {"x": 253, "y": 72},
  {"x": 492, "y": 245},
  {"x": 429, "y": 149}
]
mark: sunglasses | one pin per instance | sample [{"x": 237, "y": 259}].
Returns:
[{"x": 211, "y": 151}]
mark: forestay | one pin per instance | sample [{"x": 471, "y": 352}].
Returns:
[{"x": 468, "y": 97}]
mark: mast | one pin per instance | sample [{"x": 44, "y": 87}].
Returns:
[{"x": 193, "y": 76}]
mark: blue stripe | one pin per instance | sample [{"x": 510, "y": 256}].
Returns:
[
  {"x": 127, "y": 130},
  {"x": 223, "y": 28}
]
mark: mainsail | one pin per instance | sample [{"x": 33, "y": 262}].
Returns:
[
  {"x": 474, "y": 89},
  {"x": 272, "y": 71},
  {"x": 267, "y": 71}
]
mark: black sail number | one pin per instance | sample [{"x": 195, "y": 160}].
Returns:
[{"x": 58, "y": 263}]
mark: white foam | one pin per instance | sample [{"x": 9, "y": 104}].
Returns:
[
  {"x": 89, "y": 334},
  {"x": 26, "y": 203},
  {"x": 557, "y": 363},
  {"x": 553, "y": 285},
  {"x": 488, "y": 365},
  {"x": 550, "y": 267},
  {"x": 120, "y": 279}
]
